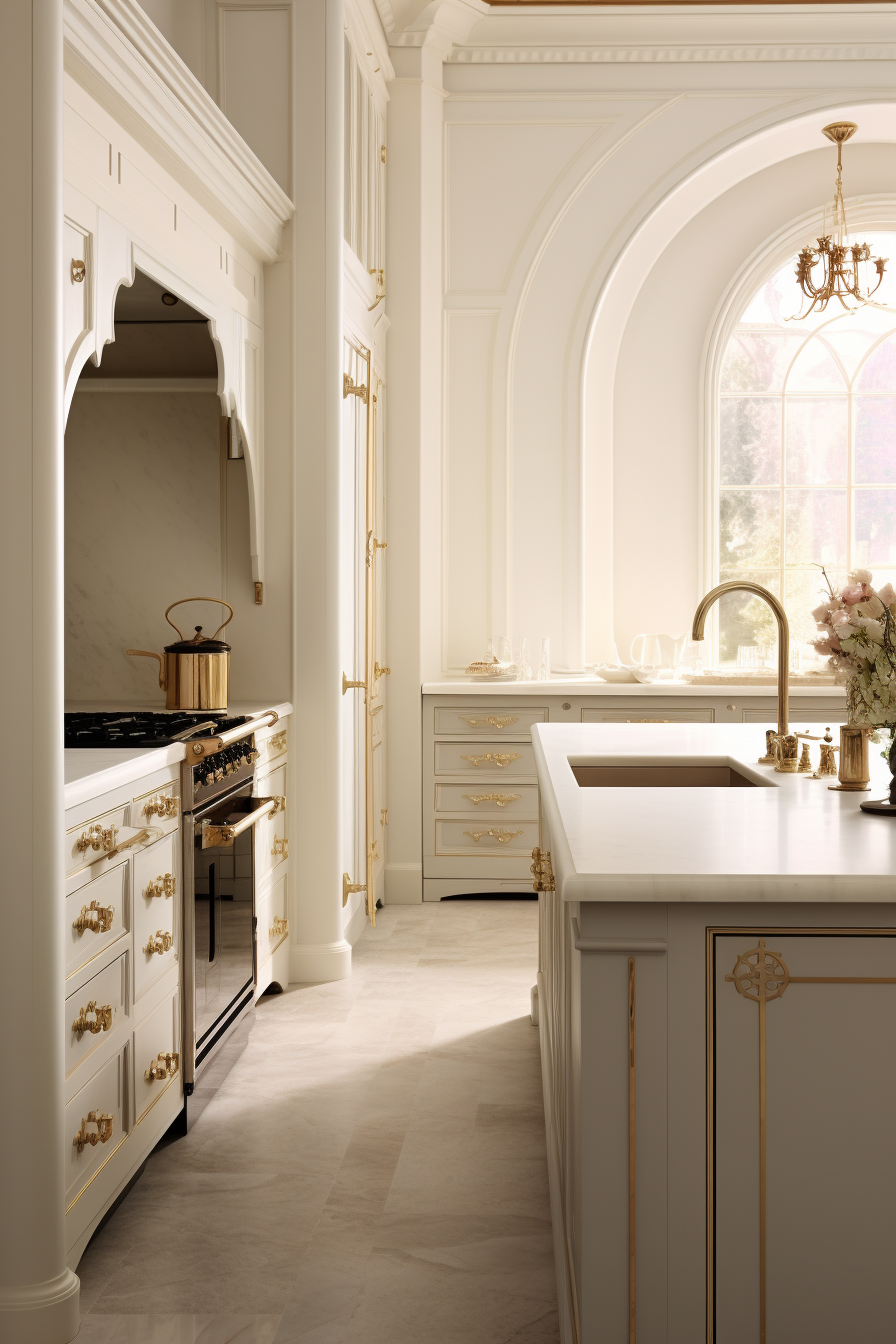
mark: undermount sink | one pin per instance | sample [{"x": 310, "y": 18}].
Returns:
[{"x": 662, "y": 775}]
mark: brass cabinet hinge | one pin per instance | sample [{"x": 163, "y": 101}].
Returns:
[{"x": 541, "y": 868}]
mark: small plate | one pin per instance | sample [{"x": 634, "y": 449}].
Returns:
[{"x": 617, "y": 674}]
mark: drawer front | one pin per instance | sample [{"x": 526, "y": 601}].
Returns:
[
  {"x": 89, "y": 843},
  {"x": 273, "y": 747},
  {"x": 648, "y": 716},
  {"x": 157, "y": 901},
  {"x": 510, "y": 760},
  {"x": 273, "y": 920},
  {"x": 486, "y": 721},
  {"x": 157, "y": 1055},
  {"x": 159, "y": 809},
  {"x": 487, "y": 838},
  {"x": 492, "y": 800},
  {"x": 271, "y": 843},
  {"x": 95, "y": 1012},
  {"x": 96, "y": 915},
  {"x": 95, "y": 1125},
  {"x": 797, "y": 716}
]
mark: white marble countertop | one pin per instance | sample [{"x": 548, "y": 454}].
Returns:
[
  {"x": 91, "y": 771},
  {"x": 593, "y": 686},
  {"x": 794, "y": 841}
]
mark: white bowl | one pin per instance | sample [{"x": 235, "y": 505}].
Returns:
[{"x": 607, "y": 673}]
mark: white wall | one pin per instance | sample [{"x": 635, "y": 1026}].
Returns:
[
  {"x": 658, "y": 433},
  {"x": 575, "y": 146}
]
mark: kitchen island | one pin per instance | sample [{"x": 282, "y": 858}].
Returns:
[{"x": 717, "y": 1005}]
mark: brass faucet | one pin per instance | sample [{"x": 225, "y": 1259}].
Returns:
[{"x": 783, "y": 635}]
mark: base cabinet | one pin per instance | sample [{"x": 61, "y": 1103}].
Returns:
[
  {"x": 719, "y": 1083},
  {"x": 480, "y": 792}
]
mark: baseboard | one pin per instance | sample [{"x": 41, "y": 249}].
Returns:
[
  {"x": 357, "y": 923},
  {"x": 404, "y": 883},
  {"x": 316, "y": 963}
]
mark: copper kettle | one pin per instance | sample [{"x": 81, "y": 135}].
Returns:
[{"x": 195, "y": 673}]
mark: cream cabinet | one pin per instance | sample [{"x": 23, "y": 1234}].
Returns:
[
  {"x": 121, "y": 910},
  {"x": 480, "y": 793},
  {"x": 272, "y": 860}
]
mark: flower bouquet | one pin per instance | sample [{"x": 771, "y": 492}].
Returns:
[{"x": 857, "y": 629}]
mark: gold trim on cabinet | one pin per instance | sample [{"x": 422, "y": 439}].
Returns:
[{"x": 763, "y": 980}]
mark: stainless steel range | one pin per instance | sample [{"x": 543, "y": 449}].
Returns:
[{"x": 219, "y": 814}]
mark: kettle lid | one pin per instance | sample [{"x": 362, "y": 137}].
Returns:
[{"x": 198, "y": 644}]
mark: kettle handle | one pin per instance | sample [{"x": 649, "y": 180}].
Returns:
[
  {"x": 219, "y": 600},
  {"x": 142, "y": 653}
]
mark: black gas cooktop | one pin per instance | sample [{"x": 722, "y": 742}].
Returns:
[{"x": 108, "y": 728}]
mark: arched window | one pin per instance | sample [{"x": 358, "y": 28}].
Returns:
[{"x": 807, "y": 457}]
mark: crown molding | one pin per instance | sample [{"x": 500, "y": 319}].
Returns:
[
  {"x": 672, "y": 54},
  {"x": 115, "y": 52}
]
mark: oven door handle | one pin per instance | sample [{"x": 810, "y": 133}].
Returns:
[
  {"x": 209, "y": 746},
  {"x": 215, "y": 837}
]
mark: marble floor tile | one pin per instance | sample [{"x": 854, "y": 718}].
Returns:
[{"x": 371, "y": 1168}]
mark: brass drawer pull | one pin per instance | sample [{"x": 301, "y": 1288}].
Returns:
[
  {"x": 496, "y": 758},
  {"x": 498, "y": 833},
  {"x": 493, "y": 720},
  {"x": 278, "y": 928},
  {"x": 163, "y": 1066},
  {"x": 163, "y": 886},
  {"x": 280, "y": 848},
  {"x": 96, "y": 918},
  {"x": 97, "y": 839},
  {"x": 101, "y": 1020},
  {"x": 501, "y": 799},
  {"x": 278, "y": 741},
  {"x": 90, "y": 1138},
  {"x": 163, "y": 806},
  {"x": 162, "y": 942}
]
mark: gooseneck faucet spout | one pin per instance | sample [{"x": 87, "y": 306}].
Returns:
[{"x": 743, "y": 586}]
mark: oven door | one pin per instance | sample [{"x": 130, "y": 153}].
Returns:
[{"x": 222, "y": 967}]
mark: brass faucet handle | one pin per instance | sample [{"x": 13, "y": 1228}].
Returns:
[
  {"x": 812, "y": 737},
  {"x": 772, "y": 748}
]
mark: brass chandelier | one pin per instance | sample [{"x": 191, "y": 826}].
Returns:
[{"x": 839, "y": 259}]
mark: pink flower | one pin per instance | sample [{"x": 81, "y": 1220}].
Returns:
[
  {"x": 852, "y": 596},
  {"x": 862, "y": 576},
  {"x": 840, "y": 617},
  {"x": 822, "y": 614}
]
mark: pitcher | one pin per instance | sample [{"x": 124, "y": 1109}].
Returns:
[{"x": 671, "y": 648}]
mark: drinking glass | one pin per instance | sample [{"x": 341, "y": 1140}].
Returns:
[{"x": 544, "y": 667}]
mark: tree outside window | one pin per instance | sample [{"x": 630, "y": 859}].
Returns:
[{"x": 807, "y": 458}]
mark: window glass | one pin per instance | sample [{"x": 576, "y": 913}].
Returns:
[{"x": 807, "y": 457}]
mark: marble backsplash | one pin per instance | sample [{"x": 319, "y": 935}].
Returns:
[{"x": 145, "y": 524}]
